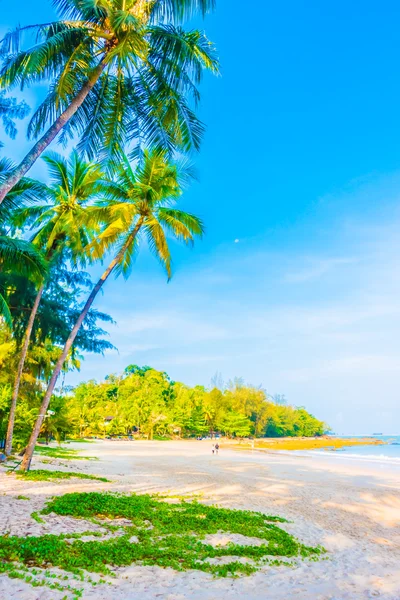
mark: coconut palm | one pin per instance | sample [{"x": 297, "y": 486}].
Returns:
[
  {"x": 59, "y": 229},
  {"x": 16, "y": 255},
  {"x": 140, "y": 204},
  {"x": 28, "y": 191},
  {"x": 119, "y": 71},
  {"x": 58, "y": 222},
  {"x": 19, "y": 256}
]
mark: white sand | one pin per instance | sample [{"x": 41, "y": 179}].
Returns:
[{"x": 351, "y": 508}]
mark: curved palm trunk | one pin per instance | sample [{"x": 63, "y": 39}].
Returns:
[
  {"x": 41, "y": 145},
  {"x": 18, "y": 376},
  {"x": 46, "y": 400}
]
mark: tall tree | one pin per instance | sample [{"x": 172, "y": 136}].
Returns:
[
  {"x": 58, "y": 311},
  {"x": 119, "y": 71},
  {"x": 59, "y": 226},
  {"x": 16, "y": 255},
  {"x": 141, "y": 203}
]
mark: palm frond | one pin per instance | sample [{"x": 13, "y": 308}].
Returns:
[
  {"x": 29, "y": 216},
  {"x": 158, "y": 245},
  {"x": 128, "y": 248},
  {"x": 141, "y": 199},
  {"x": 90, "y": 10},
  {"x": 25, "y": 192},
  {"x": 44, "y": 114},
  {"x": 187, "y": 53},
  {"x": 153, "y": 68},
  {"x": 184, "y": 226},
  {"x": 58, "y": 169},
  {"x": 180, "y": 10},
  {"x": 5, "y": 312},
  {"x": 21, "y": 257},
  {"x": 43, "y": 61}
]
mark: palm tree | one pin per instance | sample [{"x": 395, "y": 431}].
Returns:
[
  {"x": 119, "y": 71},
  {"x": 58, "y": 229},
  {"x": 141, "y": 203},
  {"x": 18, "y": 255},
  {"x": 28, "y": 191}
]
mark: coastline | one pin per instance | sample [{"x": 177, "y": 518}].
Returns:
[
  {"x": 308, "y": 443},
  {"x": 351, "y": 508},
  {"x": 365, "y": 462},
  {"x": 380, "y": 460}
]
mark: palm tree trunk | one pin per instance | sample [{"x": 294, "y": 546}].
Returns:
[
  {"x": 41, "y": 145},
  {"x": 18, "y": 376},
  {"x": 46, "y": 400}
]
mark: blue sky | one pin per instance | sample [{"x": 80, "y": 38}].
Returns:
[{"x": 296, "y": 283}]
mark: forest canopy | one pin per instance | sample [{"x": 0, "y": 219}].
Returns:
[{"x": 146, "y": 402}]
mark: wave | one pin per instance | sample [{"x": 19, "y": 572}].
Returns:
[{"x": 349, "y": 455}]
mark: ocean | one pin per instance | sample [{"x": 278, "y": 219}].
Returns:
[{"x": 388, "y": 453}]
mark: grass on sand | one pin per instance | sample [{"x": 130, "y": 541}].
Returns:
[
  {"x": 61, "y": 452},
  {"x": 161, "y": 533},
  {"x": 44, "y": 475}
]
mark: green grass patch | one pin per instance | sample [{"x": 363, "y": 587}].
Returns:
[
  {"x": 18, "y": 571},
  {"x": 169, "y": 535},
  {"x": 61, "y": 452},
  {"x": 23, "y": 498},
  {"x": 36, "y": 517},
  {"x": 43, "y": 475}
]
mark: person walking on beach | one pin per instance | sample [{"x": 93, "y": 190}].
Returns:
[
  {"x": 213, "y": 449},
  {"x": 216, "y": 448}
]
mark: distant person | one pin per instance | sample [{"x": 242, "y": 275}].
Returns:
[
  {"x": 216, "y": 448},
  {"x": 213, "y": 449}
]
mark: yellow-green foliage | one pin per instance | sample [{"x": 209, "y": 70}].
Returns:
[{"x": 147, "y": 402}]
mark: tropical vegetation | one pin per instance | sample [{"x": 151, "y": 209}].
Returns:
[
  {"x": 145, "y": 403},
  {"x": 119, "y": 73},
  {"x": 140, "y": 203},
  {"x": 58, "y": 310},
  {"x": 122, "y": 80},
  {"x": 121, "y": 85},
  {"x": 61, "y": 233}
]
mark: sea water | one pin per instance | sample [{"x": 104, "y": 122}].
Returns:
[{"x": 386, "y": 453}]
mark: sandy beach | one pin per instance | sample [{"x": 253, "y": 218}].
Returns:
[{"x": 349, "y": 507}]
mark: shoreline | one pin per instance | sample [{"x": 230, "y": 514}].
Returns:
[
  {"x": 358, "y": 460},
  {"x": 308, "y": 443}
]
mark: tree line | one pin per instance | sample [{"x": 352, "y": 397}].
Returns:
[
  {"x": 145, "y": 402},
  {"x": 122, "y": 80}
]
